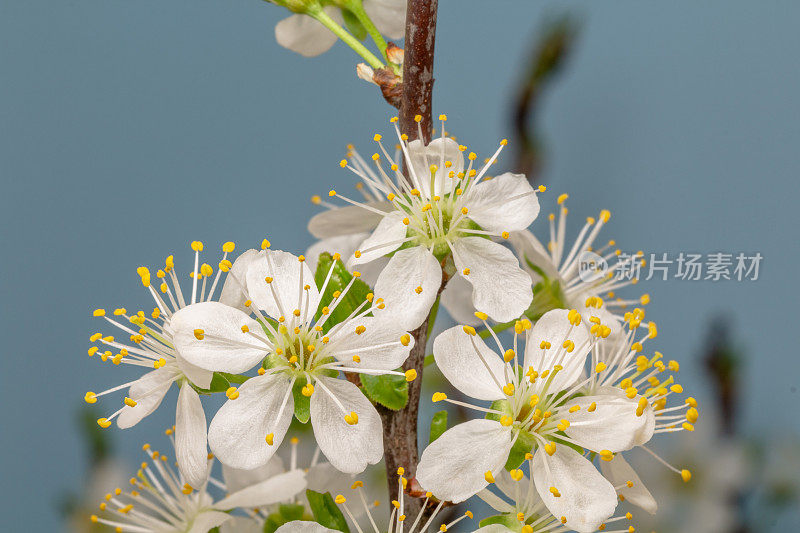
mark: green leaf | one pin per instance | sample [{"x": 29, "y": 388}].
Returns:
[
  {"x": 325, "y": 511},
  {"x": 388, "y": 390},
  {"x": 356, "y": 295},
  {"x": 302, "y": 404},
  {"x": 524, "y": 444},
  {"x": 438, "y": 425},
  {"x": 292, "y": 511},
  {"x": 354, "y": 25}
]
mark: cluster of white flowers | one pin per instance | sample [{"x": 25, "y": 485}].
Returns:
[{"x": 561, "y": 398}]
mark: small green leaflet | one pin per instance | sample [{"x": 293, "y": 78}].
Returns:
[
  {"x": 356, "y": 295},
  {"x": 326, "y": 512},
  {"x": 388, "y": 390}
]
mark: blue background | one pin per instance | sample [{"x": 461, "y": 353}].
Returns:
[{"x": 130, "y": 128}]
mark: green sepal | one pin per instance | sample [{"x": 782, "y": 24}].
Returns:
[
  {"x": 302, "y": 404},
  {"x": 388, "y": 390},
  {"x": 524, "y": 444},
  {"x": 508, "y": 520},
  {"x": 438, "y": 425},
  {"x": 273, "y": 522},
  {"x": 325, "y": 511},
  {"x": 354, "y": 25},
  {"x": 220, "y": 382},
  {"x": 339, "y": 280}
]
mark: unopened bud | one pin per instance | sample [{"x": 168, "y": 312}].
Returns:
[{"x": 365, "y": 72}]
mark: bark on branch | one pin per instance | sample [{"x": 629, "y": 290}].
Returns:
[{"x": 400, "y": 427}]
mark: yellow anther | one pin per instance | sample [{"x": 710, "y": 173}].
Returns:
[
  {"x": 439, "y": 396},
  {"x": 130, "y": 402},
  {"x": 360, "y": 329},
  {"x": 574, "y": 408},
  {"x": 676, "y": 388},
  {"x": 605, "y": 215},
  {"x": 90, "y": 397},
  {"x": 631, "y": 392},
  {"x": 488, "y": 476},
  {"x": 376, "y": 156},
  {"x": 687, "y": 426},
  {"x": 508, "y": 389},
  {"x": 93, "y": 350},
  {"x": 418, "y": 290},
  {"x": 505, "y": 235},
  {"x": 550, "y": 448},
  {"x": 405, "y": 339},
  {"x": 351, "y": 419},
  {"x": 506, "y": 420},
  {"x": 516, "y": 474},
  {"x": 554, "y": 492},
  {"x": 509, "y": 355},
  {"x": 466, "y": 271},
  {"x": 686, "y": 475},
  {"x": 232, "y": 393},
  {"x": 357, "y": 485},
  {"x": 228, "y": 247},
  {"x": 103, "y": 422},
  {"x": 417, "y": 118},
  {"x": 99, "y": 312},
  {"x": 270, "y": 438},
  {"x": 481, "y": 315},
  {"x": 469, "y": 330},
  {"x": 199, "y": 334},
  {"x": 600, "y": 367},
  {"x": 307, "y": 390},
  {"x": 265, "y": 244},
  {"x": 411, "y": 375}
]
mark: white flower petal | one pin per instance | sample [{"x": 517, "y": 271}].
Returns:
[
  {"x": 349, "y": 448},
  {"x": 344, "y": 245},
  {"x": 237, "y": 479},
  {"x": 587, "y": 499},
  {"x": 457, "y": 301},
  {"x": 221, "y": 347},
  {"x": 191, "y": 451},
  {"x": 489, "y": 204},
  {"x": 233, "y": 290},
  {"x": 280, "y": 488},
  {"x": 300, "y": 526},
  {"x": 237, "y": 434},
  {"x": 458, "y": 360},
  {"x": 500, "y": 288},
  {"x": 199, "y": 376},
  {"x": 147, "y": 392},
  {"x": 390, "y": 230},
  {"x": 407, "y": 271},
  {"x": 453, "y": 466},
  {"x": 378, "y": 346},
  {"x": 613, "y": 425},
  {"x": 389, "y": 16},
  {"x": 528, "y": 248},
  {"x": 422, "y": 157},
  {"x": 619, "y": 473},
  {"x": 347, "y": 220},
  {"x": 289, "y": 276},
  {"x": 555, "y": 328},
  {"x": 208, "y": 520},
  {"x": 306, "y": 36}
]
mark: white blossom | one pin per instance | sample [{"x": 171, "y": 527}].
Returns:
[
  {"x": 147, "y": 343},
  {"x": 291, "y": 332},
  {"x": 444, "y": 216},
  {"x": 161, "y": 501},
  {"x": 308, "y": 37},
  {"x": 537, "y": 403}
]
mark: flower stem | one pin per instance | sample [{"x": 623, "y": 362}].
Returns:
[
  {"x": 345, "y": 36},
  {"x": 357, "y": 8}
]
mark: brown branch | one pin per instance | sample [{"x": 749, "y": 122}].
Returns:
[{"x": 400, "y": 427}]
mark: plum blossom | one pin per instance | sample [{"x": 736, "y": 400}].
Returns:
[
  {"x": 443, "y": 217},
  {"x": 535, "y": 414},
  {"x": 289, "y": 331},
  {"x": 148, "y": 344}
]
